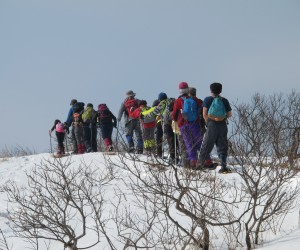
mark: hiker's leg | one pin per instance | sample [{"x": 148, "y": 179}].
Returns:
[
  {"x": 222, "y": 143},
  {"x": 208, "y": 143},
  {"x": 129, "y": 134}
]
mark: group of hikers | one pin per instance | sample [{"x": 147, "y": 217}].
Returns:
[{"x": 190, "y": 126}]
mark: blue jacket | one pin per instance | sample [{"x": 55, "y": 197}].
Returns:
[{"x": 70, "y": 114}]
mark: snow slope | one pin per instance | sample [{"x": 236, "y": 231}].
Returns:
[{"x": 13, "y": 169}]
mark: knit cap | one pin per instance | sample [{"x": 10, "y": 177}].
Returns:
[
  {"x": 183, "y": 88},
  {"x": 162, "y": 96}
]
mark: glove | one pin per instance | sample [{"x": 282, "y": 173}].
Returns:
[{"x": 141, "y": 116}]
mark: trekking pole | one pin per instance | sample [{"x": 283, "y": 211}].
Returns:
[
  {"x": 66, "y": 142},
  {"x": 91, "y": 139},
  {"x": 50, "y": 143}
]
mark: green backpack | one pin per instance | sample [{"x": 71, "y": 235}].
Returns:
[
  {"x": 217, "y": 111},
  {"x": 87, "y": 114}
]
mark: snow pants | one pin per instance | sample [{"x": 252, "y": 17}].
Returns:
[
  {"x": 216, "y": 134},
  {"x": 133, "y": 126}
]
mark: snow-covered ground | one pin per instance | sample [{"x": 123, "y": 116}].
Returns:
[{"x": 13, "y": 169}]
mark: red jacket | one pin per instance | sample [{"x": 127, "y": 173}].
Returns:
[
  {"x": 137, "y": 113},
  {"x": 176, "y": 113}
]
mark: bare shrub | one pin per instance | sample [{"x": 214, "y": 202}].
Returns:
[
  {"x": 205, "y": 205},
  {"x": 61, "y": 203},
  {"x": 265, "y": 142},
  {"x": 16, "y": 151}
]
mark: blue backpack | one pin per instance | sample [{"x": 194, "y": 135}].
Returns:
[
  {"x": 190, "y": 109},
  {"x": 217, "y": 111}
]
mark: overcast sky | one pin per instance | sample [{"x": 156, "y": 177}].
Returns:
[{"x": 96, "y": 50}]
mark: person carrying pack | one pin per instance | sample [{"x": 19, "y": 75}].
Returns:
[
  {"x": 89, "y": 120},
  {"x": 107, "y": 121},
  {"x": 60, "y": 132},
  {"x": 75, "y": 108},
  {"x": 132, "y": 125},
  {"x": 148, "y": 125},
  {"x": 216, "y": 133},
  {"x": 200, "y": 120},
  {"x": 164, "y": 110},
  {"x": 187, "y": 129}
]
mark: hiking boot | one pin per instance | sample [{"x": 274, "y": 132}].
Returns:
[
  {"x": 131, "y": 150},
  {"x": 140, "y": 151},
  {"x": 224, "y": 170}
]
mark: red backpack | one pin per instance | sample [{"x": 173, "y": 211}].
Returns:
[
  {"x": 130, "y": 105},
  {"x": 104, "y": 113}
]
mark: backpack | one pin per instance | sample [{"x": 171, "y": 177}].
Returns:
[
  {"x": 130, "y": 105},
  {"x": 78, "y": 107},
  {"x": 60, "y": 127},
  {"x": 189, "y": 109},
  {"x": 87, "y": 114},
  {"x": 217, "y": 111},
  {"x": 168, "y": 111},
  {"x": 76, "y": 120},
  {"x": 104, "y": 113}
]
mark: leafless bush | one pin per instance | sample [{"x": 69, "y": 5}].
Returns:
[
  {"x": 265, "y": 143},
  {"x": 3, "y": 242},
  {"x": 61, "y": 203},
  {"x": 16, "y": 151},
  {"x": 204, "y": 202}
]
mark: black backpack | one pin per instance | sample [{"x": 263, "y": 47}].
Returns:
[
  {"x": 78, "y": 107},
  {"x": 104, "y": 114}
]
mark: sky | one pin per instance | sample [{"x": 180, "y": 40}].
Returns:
[
  {"x": 52, "y": 51},
  {"x": 14, "y": 169}
]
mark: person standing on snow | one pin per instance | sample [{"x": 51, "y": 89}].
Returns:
[
  {"x": 60, "y": 132},
  {"x": 190, "y": 129},
  {"x": 89, "y": 118},
  {"x": 201, "y": 122},
  {"x": 162, "y": 110},
  {"x": 132, "y": 125},
  {"x": 216, "y": 120},
  {"x": 107, "y": 121},
  {"x": 147, "y": 124}
]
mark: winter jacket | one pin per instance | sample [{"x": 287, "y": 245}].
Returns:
[
  {"x": 123, "y": 110},
  {"x": 142, "y": 112},
  {"x": 176, "y": 114}
]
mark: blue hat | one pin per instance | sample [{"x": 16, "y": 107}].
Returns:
[{"x": 162, "y": 96}]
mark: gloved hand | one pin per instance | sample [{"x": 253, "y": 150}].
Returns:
[{"x": 141, "y": 116}]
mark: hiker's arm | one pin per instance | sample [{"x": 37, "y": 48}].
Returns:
[
  {"x": 150, "y": 112},
  {"x": 229, "y": 114},
  {"x": 205, "y": 114}
]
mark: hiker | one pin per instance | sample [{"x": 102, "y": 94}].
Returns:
[
  {"x": 201, "y": 121},
  {"x": 148, "y": 126},
  {"x": 75, "y": 120},
  {"x": 185, "y": 113},
  {"x": 158, "y": 132},
  {"x": 89, "y": 118},
  {"x": 132, "y": 125},
  {"x": 216, "y": 111},
  {"x": 107, "y": 121},
  {"x": 60, "y": 132},
  {"x": 163, "y": 110}
]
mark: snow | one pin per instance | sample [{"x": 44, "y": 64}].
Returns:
[{"x": 14, "y": 169}]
